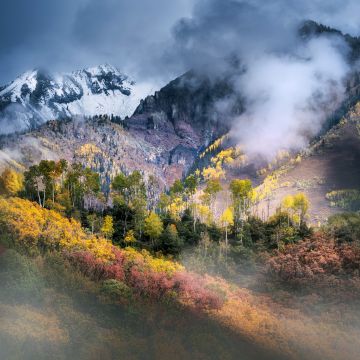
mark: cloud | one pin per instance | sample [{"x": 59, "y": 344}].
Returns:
[
  {"x": 289, "y": 85},
  {"x": 14, "y": 118},
  {"x": 289, "y": 98},
  {"x": 67, "y": 35}
]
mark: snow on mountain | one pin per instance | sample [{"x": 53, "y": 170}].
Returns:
[{"x": 37, "y": 96}]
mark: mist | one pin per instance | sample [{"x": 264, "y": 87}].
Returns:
[
  {"x": 290, "y": 97},
  {"x": 290, "y": 84},
  {"x": 48, "y": 308}
]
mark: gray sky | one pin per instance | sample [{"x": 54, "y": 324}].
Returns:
[
  {"x": 71, "y": 34},
  {"x": 145, "y": 37}
]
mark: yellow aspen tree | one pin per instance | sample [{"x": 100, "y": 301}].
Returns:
[
  {"x": 108, "y": 227},
  {"x": 11, "y": 182},
  {"x": 153, "y": 227},
  {"x": 130, "y": 237},
  {"x": 227, "y": 219}
]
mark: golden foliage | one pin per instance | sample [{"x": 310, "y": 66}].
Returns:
[
  {"x": 11, "y": 182},
  {"x": 297, "y": 205},
  {"x": 227, "y": 217},
  {"x": 203, "y": 212},
  {"x": 158, "y": 264},
  {"x": 211, "y": 173},
  {"x": 130, "y": 237},
  {"x": 265, "y": 190},
  {"x": 87, "y": 150},
  {"x": 108, "y": 227},
  {"x": 176, "y": 207},
  {"x": 31, "y": 226},
  {"x": 215, "y": 145},
  {"x": 153, "y": 226}
]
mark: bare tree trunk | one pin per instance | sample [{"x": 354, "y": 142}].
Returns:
[
  {"x": 226, "y": 243},
  {"x": 38, "y": 192}
]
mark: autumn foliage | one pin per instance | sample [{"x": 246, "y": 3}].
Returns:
[
  {"x": 156, "y": 279},
  {"x": 316, "y": 259},
  {"x": 33, "y": 228},
  {"x": 37, "y": 229}
]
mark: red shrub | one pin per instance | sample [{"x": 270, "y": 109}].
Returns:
[
  {"x": 149, "y": 283},
  {"x": 314, "y": 257},
  {"x": 188, "y": 287},
  {"x": 191, "y": 288},
  {"x": 95, "y": 269}
]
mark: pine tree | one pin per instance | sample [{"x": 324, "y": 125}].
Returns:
[{"x": 170, "y": 241}]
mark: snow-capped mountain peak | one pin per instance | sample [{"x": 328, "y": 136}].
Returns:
[
  {"x": 37, "y": 96},
  {"x": 27, "y": 79}
]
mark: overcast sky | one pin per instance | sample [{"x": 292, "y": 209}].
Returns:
[{"x": 140, "y": 37}]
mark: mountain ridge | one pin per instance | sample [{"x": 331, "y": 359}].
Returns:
[{"x": 37, "y": 96}]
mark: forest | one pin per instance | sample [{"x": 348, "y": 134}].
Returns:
[{"x": 136, "y": 213}]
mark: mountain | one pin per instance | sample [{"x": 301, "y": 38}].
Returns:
[
  {"x": 311, "y": 28},
  {"x": 164, "y": 136},
  {"x": 37, "y": 96},
  {"x": 190, "y": 105},
  {"x": 97, "y": 142}
]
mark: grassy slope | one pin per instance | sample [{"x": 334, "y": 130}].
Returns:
[
  {"x": 332, "y": 164},
  {"x": 48, "y": 310}
]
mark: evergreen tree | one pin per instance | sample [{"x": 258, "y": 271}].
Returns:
[{"x": 170, "y": 241}]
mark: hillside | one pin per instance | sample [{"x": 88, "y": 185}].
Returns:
[
  {"x": 328, "y": 164},
  {"x": 328, "y": 167},
  {"x": 72, "y": 292},
  {"x": 326, "y": 171},
  {"x": 53, "y": 302}
]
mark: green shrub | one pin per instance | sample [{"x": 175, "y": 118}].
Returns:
[
  {"x": 116, "y": 290},
  {"x": 19, "y": 278},
  {"x": 344, "y": 227},
  {"x": 348, "y": 199}
]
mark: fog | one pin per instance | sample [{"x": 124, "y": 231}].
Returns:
[{"x": 48, "y": 311}]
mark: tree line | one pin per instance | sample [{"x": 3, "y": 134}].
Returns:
[{"x": 136, "y": 213}]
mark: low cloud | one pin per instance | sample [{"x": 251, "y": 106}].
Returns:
[{"x": 289, "y": 84}]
